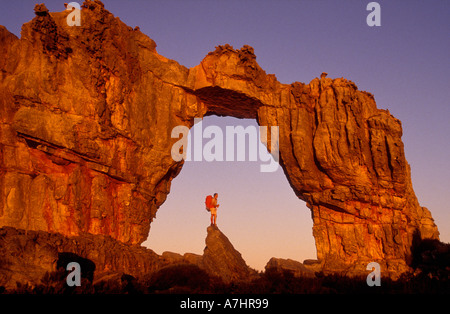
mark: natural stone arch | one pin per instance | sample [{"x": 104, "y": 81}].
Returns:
[
  {"x": 88, "y": 141},
  {"x": 341, "y": 154}
]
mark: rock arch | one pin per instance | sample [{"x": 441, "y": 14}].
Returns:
[{"x": 86, "y": 141}]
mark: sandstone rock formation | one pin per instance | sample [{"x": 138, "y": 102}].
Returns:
[
  {"x": 27, "y": 257},
  {"x": 86, "y": 115},
  {"x": 294, "y": 267},
  {"x": 221, "y": 259}
]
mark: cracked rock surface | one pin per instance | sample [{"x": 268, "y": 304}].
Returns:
[{"x": 86, "y": 115}]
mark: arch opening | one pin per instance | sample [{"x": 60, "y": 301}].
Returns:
[{"x": 259, "y": 212}]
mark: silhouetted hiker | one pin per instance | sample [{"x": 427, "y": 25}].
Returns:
[{"x": 213, "y": 209}]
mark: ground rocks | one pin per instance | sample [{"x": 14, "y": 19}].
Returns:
[
  {"x": 28, "y": 257},
  {"x": 32, "y": 257},
  {"x": 220, "y": 258},
  {"x": 294, "y": 267}
]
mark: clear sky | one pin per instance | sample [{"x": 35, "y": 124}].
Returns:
[{"x": 404, "y": 63}]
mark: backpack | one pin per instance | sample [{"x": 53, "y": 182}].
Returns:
[{"x": 208, "y": 202}]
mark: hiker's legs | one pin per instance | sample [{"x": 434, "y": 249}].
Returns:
[{"x": 213, "y": 215}]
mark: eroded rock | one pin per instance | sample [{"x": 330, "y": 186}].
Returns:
[
  {"x": 294, "y": 267},
  {"x": 28, "y": 257},
  {"x": 85, "y": 148},
  {"x": 221, "y": 259}
]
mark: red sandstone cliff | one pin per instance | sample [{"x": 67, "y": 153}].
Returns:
[{"x": 85, "y": 147}]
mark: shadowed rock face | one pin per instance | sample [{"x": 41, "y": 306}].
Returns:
[
  {"x": 86, "y": 115},
  {"x": 294, "y": 267},
  {"x": 28, "y": 257}
]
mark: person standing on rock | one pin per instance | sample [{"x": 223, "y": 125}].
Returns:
[{"x": 213, "y": 209}]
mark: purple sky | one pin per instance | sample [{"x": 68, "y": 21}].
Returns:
[{"x": 404, "y": 63}]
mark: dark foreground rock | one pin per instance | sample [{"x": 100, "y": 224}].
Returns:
[
  {"x": 35, "y": 262},
  {"x": 28, "y": 257},
  {"x": 220, "y": 259},
  {"x": 31, "y": 257},
  {"x": 295, "y": 267}
]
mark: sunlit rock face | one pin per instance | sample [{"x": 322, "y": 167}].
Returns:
[{"x": 86, "y": 114}]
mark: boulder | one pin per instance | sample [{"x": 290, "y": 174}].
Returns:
[
  {"x": 296, "y": 268},
  {"x": 221, "y": 259}
]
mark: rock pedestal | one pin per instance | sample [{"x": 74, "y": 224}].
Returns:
[{"x": 221, "y": 259}]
